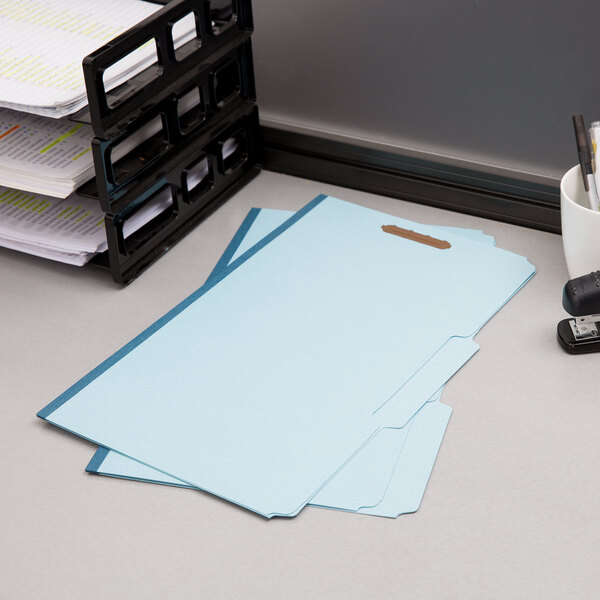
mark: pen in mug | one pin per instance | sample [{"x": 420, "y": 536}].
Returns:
[
  {"x": 594, "y": 136},
  {"x": 585, "y": 161}
]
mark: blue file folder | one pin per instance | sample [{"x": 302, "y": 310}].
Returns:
[
  {"x": 388, "y": 477},
  {"x": 261, "y": 386}
]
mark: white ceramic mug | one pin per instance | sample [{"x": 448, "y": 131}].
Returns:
[{"x": 580, "y": 226}]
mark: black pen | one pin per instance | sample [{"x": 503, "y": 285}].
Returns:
[{"x": 585, "y": 161}]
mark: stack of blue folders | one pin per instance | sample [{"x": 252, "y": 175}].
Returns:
[{"x": 307, "y": 370}]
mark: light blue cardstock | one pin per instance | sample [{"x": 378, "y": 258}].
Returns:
[{"x": 262, "y": 385}]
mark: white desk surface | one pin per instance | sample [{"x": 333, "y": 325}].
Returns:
[{"x": 511, "y": 506}]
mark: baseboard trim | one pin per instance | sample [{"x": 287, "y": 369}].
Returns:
[{"x": 507, "y": 199}]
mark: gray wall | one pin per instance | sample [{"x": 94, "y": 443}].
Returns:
[{"x": 489, "y": 81}]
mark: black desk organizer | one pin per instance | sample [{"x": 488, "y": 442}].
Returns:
[{"x": 190, "y": 159}]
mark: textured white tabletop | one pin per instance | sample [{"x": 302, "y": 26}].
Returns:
[{"x": 509, "y": 512}]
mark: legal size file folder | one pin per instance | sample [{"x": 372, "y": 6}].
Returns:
[
  {"x": 260, "y": 387},
  {"x": 388, "y": 477}
]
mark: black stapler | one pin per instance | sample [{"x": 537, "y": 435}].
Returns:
[{"x": 581, "y": 299}]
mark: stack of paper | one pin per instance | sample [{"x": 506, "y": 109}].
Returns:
[
  {"x": 307, "y": 370},
  {"x": 52, "y": 156},
  {"x": 44, "y": 42},
  {"x": 44, "y": 160},
  {"x": 69, "y": 230}
]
